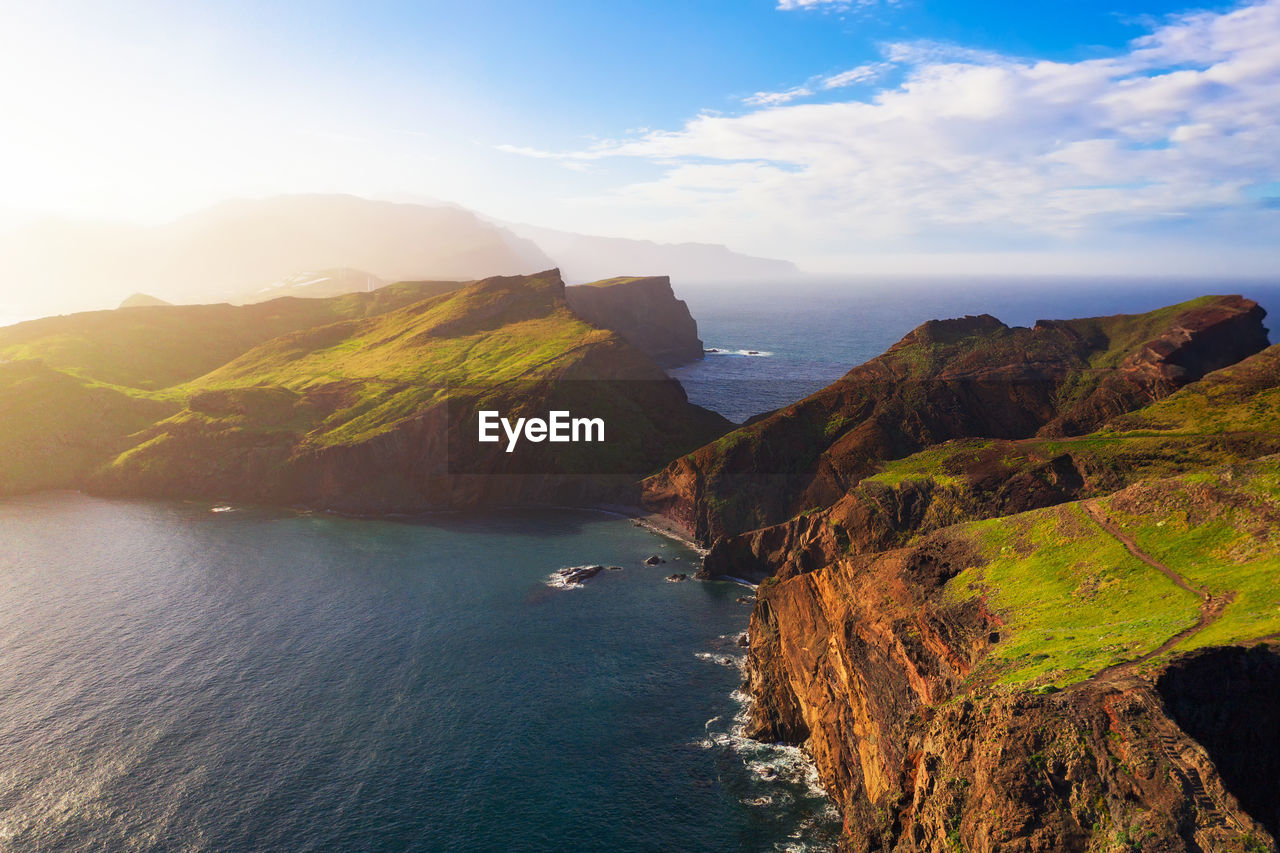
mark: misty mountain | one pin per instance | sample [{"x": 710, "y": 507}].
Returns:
[
  {"x": 318, "y": 246},
  {"x": 231, "y": 250},
  {"x": 314, "y": 284},
  {"x": 584, "y": 258}
]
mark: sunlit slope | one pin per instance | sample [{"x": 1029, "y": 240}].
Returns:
[
  {"x": 380, "y": 412},
  {"x": 55, "y": 428},
  {"x": 1075, "y": 600},
  {"x": 1229, "y": 415},
  {"x": 155, "y": 347}
]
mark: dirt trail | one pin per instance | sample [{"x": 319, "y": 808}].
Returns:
[
  {"x": 1168, "y": 738},
  {"x": 1211, "y": 606}
]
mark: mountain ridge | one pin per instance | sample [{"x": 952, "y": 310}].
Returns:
[{"x": 364, "y": 402}]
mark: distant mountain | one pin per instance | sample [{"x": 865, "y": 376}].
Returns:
[
  {"x": 584, "y": 258},
  {"x": 320, "y": 246},
  {"x": 315, "y": 284},
  {"x": 226, "y": 252},
  {"x": 142, "y": 300}
]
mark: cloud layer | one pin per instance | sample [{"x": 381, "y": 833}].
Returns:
[{"x": 1179, "y": 134}]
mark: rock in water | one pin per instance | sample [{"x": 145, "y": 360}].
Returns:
[{"x": 572, "y": 577}]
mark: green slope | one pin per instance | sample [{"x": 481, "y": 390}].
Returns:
[
  {"x": 1074, "y": 600},
  {"x": 1229, "y": 415},
  {"x": 365, "y": 402},
  {"x": 55, "y": 428},
  {"x": 156, "y": 347}
]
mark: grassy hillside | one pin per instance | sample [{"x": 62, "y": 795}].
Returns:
[
  {"x": 366, "y": 402},
  {"x": 1074, "y": 600},
  {"x": 57, "y": 427},
  {"x": 156, "y": 347},
  {"x": 1230, "y": 414},
  {"x": 487, "y": 339}
]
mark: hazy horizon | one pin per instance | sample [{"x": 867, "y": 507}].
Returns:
[{"x": 877, "y": 136}]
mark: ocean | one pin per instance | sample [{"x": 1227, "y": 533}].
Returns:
[
  {"x": 806, "y": 335},
  {"x": 176, "y": 676}
]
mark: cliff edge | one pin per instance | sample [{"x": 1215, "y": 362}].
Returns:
[{"x": 644, "y": 312}]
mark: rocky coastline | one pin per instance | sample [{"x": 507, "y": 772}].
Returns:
[{"x": 874, "y": 513}]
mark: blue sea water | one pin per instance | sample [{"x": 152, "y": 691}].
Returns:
[
  {"x": 174, "y": 678},
  {"x": 808, "y": 334}
]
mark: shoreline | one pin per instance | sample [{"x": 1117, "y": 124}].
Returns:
[{"x": 652, "y": 522}]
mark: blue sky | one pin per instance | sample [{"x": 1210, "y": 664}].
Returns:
[{"x": 880, "y": 135}]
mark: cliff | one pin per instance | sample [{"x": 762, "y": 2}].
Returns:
[
  {"x": 368, "y": 402},
  {"x": 1231, "y": 414},
  {"x": 1033, "y": 683},
  {"x": 1017, "y": 585},
  {"x": 946, "y": 380},
  {"x": 644, "y": 312}
]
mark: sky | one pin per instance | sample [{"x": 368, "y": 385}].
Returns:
[{"x": 845, "y": 135}]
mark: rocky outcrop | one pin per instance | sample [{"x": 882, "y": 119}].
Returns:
[
  {"x": 868, "y": 664},
  {"x": 945, "y": 380},
  {"x": 644, "y": 312},
  {"x": 1228, "y": 700},
  {"x": 1196, "y": 342},
  {"x": 863, "y": 652}
]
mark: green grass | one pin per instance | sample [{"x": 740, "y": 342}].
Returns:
[
  {"x": 943, "y": 464},
  {"x": 1242, "y": 398},
  {"x": 508, "y": 343},
  {"x": 1074, "y": 601},
  {"x": 616, "y": 280},
  {"x": 1220, "y": 530},
  {"x": 55, "y": 427},
  {"x": 1124, "y": 333},
  {"x": 1230, "y": 412},
  {"x": 161, "y": 346}
]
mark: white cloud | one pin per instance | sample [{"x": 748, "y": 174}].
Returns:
[
  {"x": 973, "y": 149},
  {"x": 836, "y": 5},
  {"x": 771, "y": 99},
  {"x": 860, "y": 74},
  {"x": 525, "y": 151},
  {"x": 851, "y": 77},
  {"x": 789, "y": 5}
]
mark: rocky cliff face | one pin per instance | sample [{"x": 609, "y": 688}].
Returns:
[
  {"x": 1228, "y": 415},
  {"x": 644, "y": 312},
  {"x": 871, "y": 665},
  {"x": 919, "y": 655}
]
